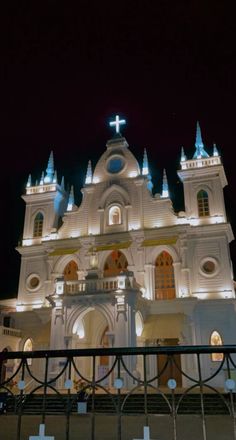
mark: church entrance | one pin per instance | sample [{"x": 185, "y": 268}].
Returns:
[{"x": 173, "y": 368}]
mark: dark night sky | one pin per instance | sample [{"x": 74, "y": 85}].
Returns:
[{"x": 64, "y": 72}]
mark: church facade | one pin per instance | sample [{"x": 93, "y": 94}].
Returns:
[{"x": 123, "y": 269}]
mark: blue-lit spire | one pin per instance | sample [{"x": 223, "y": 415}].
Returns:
[
  {"x": 215, "y": 150},
  {"x": 200, "y": 152},
  {"x": 29, "y": 181},
  {"x": 145, "y": 168},
  {"x": 183, "y": 155},
  {"x": 63, "y": 183},
  {"x": 89, "y": 176},
  {"x": 50, "y": 169},
  {"x": 71, "y": 200},
  {"x": 41, "y": 179},
  {"x": 165, "y": 188}
]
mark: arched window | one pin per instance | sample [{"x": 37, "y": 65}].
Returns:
[
  {"x": 164, "y": 277},
  {"x": 216, "y": 340},
  {"x": 203, "y": 203},
  {"x": 114, "y": 215},
  {"x": 70, "y": 271},
  {"x": 38, "y": 225},
  {"x": 28, "y": 346},
  {"x": 115, "y": 263}
]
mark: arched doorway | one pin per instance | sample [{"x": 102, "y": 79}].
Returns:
[
  {"x": 115, "y": 263},
  {"x": 90, "y": 331},
  {"x": 71, "y": 271},
  {"x": 164, "y": 277}
]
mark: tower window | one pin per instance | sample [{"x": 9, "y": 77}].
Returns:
[
  {"x": 216, "y": 340},
  {"x": 71, "y": 271},
  {"x": 114, "y": 215},
  {"x": 203, "y": 203},
  {"x": 164, "y": 277},
  {"x": 38, "y": 225}
]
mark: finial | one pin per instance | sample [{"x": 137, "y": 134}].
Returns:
[
  {"x": 89, "y": 176},
  {"x": 117, "y": 122},
  {"x": 29, "y": 181},
  {"x": 215, "y": 150},
  {"x": 183, "y": 155},
  {"x": 71, "y": 200},
  {"x": 41, "y": 179},
  {"x": 50, "y": 169},
  {"x": 63, "y": 183},
  {"x": 145, "y": 169},
  {"x": 200, "y": 152},
  {"x": 55, "y": 177},
  {"x": 165, "y": 189}
]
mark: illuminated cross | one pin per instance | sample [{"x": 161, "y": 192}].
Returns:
[
  {"x": 41, "y": 435},
  {"x": 117, "y": 123},
  {"x": 146, "y": 434}
]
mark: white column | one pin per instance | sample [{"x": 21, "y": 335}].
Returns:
[{"x": 149, "y": 281}]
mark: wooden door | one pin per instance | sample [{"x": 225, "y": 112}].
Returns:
[{"x": 171, "y": 371}]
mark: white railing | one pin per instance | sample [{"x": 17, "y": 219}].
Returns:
[
  {"x": 202, "y": 162},
  {"x": 98, "y": 285},
  {"x": 7, "y": 331}
]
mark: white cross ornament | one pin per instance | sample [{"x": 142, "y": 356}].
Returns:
[
  {"x": 146, "y": 434},
  {"x": 117, "y": 123},
  {"x": 41, "y": 435}
]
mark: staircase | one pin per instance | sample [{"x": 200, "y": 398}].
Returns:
[{"x": 129, "y": 404}]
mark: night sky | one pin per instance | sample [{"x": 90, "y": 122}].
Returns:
[{"x": 65, "y": 72}]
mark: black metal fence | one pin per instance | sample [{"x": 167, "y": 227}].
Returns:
[{"x": 120, "y": 390}]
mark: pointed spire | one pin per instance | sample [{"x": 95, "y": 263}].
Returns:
[
  {"x": 41, "y": 179},
  {"x": 71, "y": 200},
  {"x": 215, "y": 150},
  {"x": 183, "y": 155},
  {"x": 89, "y": 175},
  {"x": 55, "y": 177},
  {"x": 165, "y": 188},
  {"x": 29, "y": 181},
  {"x": 63, "y": 183},
  {"x": 145, "y": 168},
  {"x": 50, "y": 169},
  {"x": 200, "y": 152}
]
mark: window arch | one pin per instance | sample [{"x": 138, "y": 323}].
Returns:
[
  {"x": 115, "y": 263},
  {"x": 216, "y": 340},
  {"x": 203, "y": 203},
  {"x": 28, "y": 346},
  {"x": 70, "y": 271},
  {"x": 164, "y": 277},
  {"x": 38, "y": 225},
  {"x": 114, "y": 216}
]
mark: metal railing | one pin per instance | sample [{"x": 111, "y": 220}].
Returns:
[{"x": 60, "y": 373}]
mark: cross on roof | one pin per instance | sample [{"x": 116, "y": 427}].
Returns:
[
  {"x": 41, "y": 435},
  {"x": 117, "y": 123},
  {"x": 146, "y": 434}
]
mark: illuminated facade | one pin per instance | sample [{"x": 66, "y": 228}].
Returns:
[{"x": 124, "y": 269}]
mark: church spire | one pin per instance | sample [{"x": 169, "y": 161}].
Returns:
[
  {"x": 89, "y": 176},
  {"x": 200, "y": 152},
  {"x": 145, "y": 168},
  {"x": 165, "y": 188},
  {"x": 71, "y": 200},
  {"x": 50, "y": 169}
]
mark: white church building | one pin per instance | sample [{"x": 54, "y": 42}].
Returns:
[{"x": 124, "y": 269}]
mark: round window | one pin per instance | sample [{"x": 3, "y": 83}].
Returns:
[
  {"x": 115, "y": 165},
  {"x": 33, "y": 282},
  {"x": 209, "y": 266}
]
